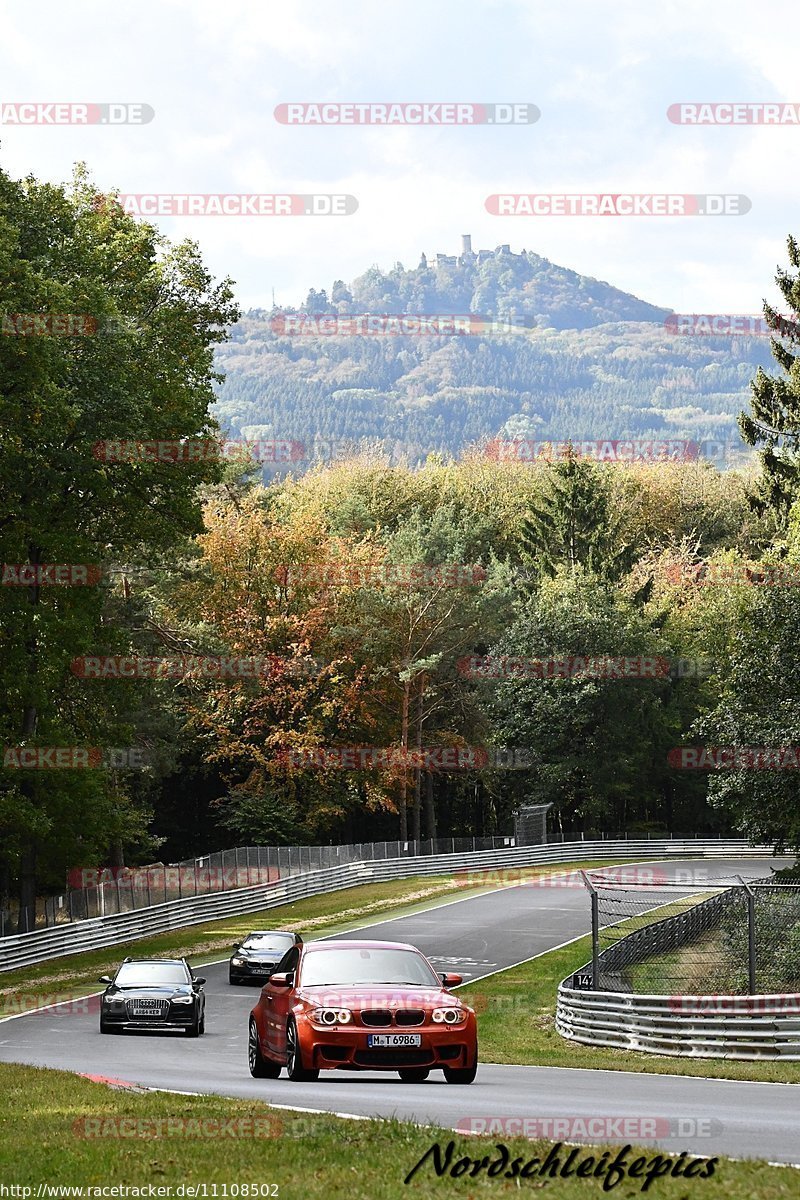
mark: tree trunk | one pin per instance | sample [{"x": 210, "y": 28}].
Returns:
[
  {"x": 430, "y": 811},
  {"x": 28, "y": 861},
  {"x": 418, "y": 770},
  {"x": 404, "y": 779}
]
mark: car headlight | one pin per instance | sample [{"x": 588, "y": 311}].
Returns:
[
  {"x": 449, "y": 1016},
  {"x": 113, "y": 1001},
  {"x": 331, "y": 1016},
  {"x": 183, "y": 999},
  {"x": 237, "y": 962}
]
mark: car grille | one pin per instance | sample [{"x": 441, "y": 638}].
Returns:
[
  {"x": 260, "y": 968},
  {"x": 409, "y": 1016},
  {"x": 150, "y": 1009},
  {"x": 381, "y": 1017},
  {"x": 376, "y": 1017}
]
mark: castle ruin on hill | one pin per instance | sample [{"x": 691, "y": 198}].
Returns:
[{"x": 468, "y": 256}]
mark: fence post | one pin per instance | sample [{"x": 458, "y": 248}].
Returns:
[
  {"x": 595, "y": 932},
  {"x": 751, "y": 936}
]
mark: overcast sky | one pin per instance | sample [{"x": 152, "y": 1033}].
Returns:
[{"x": 602, "y": 74}]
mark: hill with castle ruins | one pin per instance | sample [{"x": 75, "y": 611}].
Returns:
[{"x": 468, "y": 347}]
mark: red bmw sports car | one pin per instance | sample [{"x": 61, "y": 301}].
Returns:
[{"x": 361, "y": 1006}]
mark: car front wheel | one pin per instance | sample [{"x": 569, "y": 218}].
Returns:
[
  {"x": 460, "y": 1074},
  {"x": 414, "y": 1074},
  {"x": 260, "y": 1067},
  {"x": 294, "y": 1062}
]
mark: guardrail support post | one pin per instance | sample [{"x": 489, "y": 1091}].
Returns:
[
  {"x": 751, "y": 936},
  {"x": 595, "y": 932}
]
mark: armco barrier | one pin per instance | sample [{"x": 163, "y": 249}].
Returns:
[
  {"x": 741, "y": 1027},
  {"x": 38, "y": 946}
]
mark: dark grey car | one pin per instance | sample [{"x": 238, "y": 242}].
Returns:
[{"x": 258, "y": 955}]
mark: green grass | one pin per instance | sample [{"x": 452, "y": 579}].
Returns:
[
  {"x": 309, "y": 1157},
  {"x": 516, "y": 1024},
  {"x": 333, "y": 912}
]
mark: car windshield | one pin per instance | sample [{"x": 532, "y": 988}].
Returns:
[
  {"x": 279, "y": 942},
  {"x": 367, "y": 966},
  {"x": 150, "y": 974}
]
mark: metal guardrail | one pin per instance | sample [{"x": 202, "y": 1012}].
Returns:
[
  {"x": 95, "y": 892},
  {"x": 750, "y": 1028},
  {"x": 38, "y": 946}
]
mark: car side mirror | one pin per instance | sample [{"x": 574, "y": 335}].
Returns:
[
  {"x": 236, "y": 945},
  {"x": 450, "y": 980},
  {"x": 199, "y": 981},
  {"x": 105, "y": 979},
  {"x": 282, "y": 980}
]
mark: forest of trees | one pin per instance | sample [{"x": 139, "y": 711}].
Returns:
[
  {"x": 689, "y": 570},
  {"x": 584, "y": 361}
]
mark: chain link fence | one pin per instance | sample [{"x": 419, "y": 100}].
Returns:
[{"x": 655, "y": 937}]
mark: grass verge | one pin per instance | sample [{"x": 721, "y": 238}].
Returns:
[{"x": 45, "y": 1117}]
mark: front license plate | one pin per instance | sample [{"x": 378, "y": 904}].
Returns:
[{"x": 394, "y": 1039}]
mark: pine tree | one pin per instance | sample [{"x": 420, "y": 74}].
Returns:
[
  {"x": 572, "y": 524},
  {"x": 774, "y": 421}
]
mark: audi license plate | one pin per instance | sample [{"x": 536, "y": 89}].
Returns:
[
  {"x": 394, "y": 1039},
  {"x": 147, "y": 1010}
]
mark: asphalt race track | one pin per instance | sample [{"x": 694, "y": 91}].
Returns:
[{"x": 474, "y": 936}]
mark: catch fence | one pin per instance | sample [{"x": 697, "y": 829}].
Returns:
[{"x": 704, "y": 936}]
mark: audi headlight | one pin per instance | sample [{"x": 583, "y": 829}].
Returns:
[
  {"x": 449, "y": 1016},
  {"x": 113, "y": 1002},
  {"x": 331, "y": 1016},
  {"x": 183, "y": 999}
]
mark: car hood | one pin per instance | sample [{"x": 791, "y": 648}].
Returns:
[
  {"x": 162, "y": 992},
  {"x": 378, "y": 996},
  {"x": 260, "y": 955}
]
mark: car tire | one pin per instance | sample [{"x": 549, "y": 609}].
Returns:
[
  {"x": 414, "y": 1074},
  {"x": 194, "y": 1029},
  {"x": 460, "y": 1074},
  {"x": 232, "y": 979},
  {"x": 260, "y": 1067},
  {"x": 203, "y": 1022},
  {"x": 294, "y": 1063}
]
